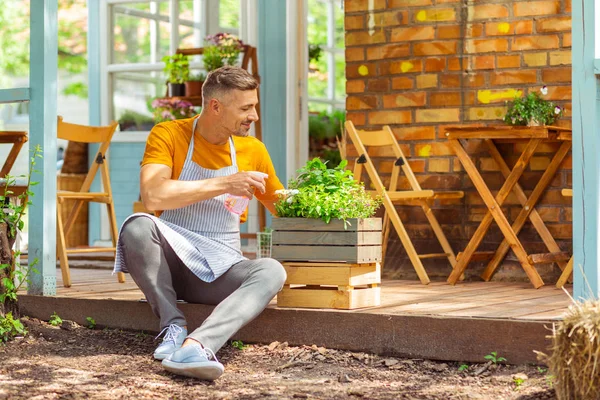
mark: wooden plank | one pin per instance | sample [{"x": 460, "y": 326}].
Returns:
[
  {"x": 433, "y": 255},
  {"x": 565, "y": 274},
  {"x": 458, "y": 194},
  {"x": 333, "y": 275},
  {"x": 485, "y": 133},
  {"x": 325, "y": 264},
  {"x": 548, "y": 257},
  {"x": 312, "y": 224},
  {"x": 89, "y": 250},
  {"x": 329, "y": 298},
  {"x": 400, "y": 195},
  {"x": 326, "y": 238},
  {"x": 494, "y": 211},
  {"x": 351, "y": 254}
]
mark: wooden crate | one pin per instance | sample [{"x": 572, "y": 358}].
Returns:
[
  {"x": 331, "y": 285},
  {"x": 307, "y": 239}
]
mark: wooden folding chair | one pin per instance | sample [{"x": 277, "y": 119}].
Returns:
[
  {"x": 566, "y": 273},
  {"x": 392, "y": 196},
  {"x": 87, "y": 134}
]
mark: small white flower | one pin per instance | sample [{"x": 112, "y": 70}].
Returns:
[
  {"x": 557, "y": 110},
  {"x": 280, "y": 191},
  {"x": 294, "y": 192},
  {"x": 544, "y": 90},
  {"x": 290, "y": 199}
]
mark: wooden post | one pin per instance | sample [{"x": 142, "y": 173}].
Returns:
[{"x": 42, "y": 132}]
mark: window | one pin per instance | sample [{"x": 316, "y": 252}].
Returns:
[
  {"x": 326, "y": 77},
  {"x": 143, "y": 32}
]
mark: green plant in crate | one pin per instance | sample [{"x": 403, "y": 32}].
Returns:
[
  {"x": 533, "y": 110},
  {"x": 325, "y": 193}
]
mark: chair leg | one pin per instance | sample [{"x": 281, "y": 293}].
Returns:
[
  {"x": 61, "y": 248},
  {"x": 565, "y": 274},
  {"x": 385, "y": 238},
  {"x": 114, "y": 233}
]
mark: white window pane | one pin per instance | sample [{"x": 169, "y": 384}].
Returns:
[
  {"x": 340, "y": 77},
  {"x": 340, "y": 33},
  {"x": 134, "y": 92}
]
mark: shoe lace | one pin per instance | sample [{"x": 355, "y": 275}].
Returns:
[
  {"x": 206, "y": 352},
  {"x": 172, "y": 332}
]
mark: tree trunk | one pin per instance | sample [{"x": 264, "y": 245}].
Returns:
[{"x": 6, "y": 258}]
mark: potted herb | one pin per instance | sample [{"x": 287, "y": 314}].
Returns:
[
  {"x": 134, "y": 121},
  {"x": 328, "y": 210},
  {"x": 193, "y": 86},
  {"x": 222, "y": 49},
  {"x": 177, "y": 68},
  {"x": 533, "y": 110},
  {"x": 171, "y": 109}
]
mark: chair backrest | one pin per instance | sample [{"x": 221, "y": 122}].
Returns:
[
  {"x": 365, "y": 140},
  {"x": 90, "y": 134}
]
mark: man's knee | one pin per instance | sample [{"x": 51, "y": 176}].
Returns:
[
  {"x": 137, "y": 229},
  {"x": 273, "y": 272}
]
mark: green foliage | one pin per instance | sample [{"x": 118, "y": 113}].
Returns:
[
  {"x": 238, "y": 344},
  {"x": 532, "y": 109},
  {"x": 493, "y": 357},
  {"x": 10, "y": 327},
  {"x": 518, "y": 382},
  {"x": 55, "y": 320},
  {"x": 199, "y": 77},
  {"x": 325, "y": 193},
  {"x": 91, "y": 322},
  {"x": 221, "y": 49},
  {"x": 463, "y": 367},
  {"x": 177, "y": 68},
  {"x": 141, "y": 335},
  {"x": 314, "y": 52},
  {"x": 133, "y": 120},
  {"x": 78, "y": 89}
]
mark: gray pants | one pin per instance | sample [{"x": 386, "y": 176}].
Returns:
[{"x": 240, "y": 294}]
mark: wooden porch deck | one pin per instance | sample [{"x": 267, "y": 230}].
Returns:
[{"x": 436, "y": 321}]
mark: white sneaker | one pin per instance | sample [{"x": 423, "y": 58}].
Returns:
[
  {"x": 194, "y": 361},
  {"x": 172, "y": 341}
]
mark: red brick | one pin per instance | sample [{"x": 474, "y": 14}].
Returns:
[
  {"x": 439, "y": 165},
  {"x": 435, "y": 48},
  {"x": 567, "y": 6},
  {"x": 499, "y": 29},
  {"x": 566, "y": 40},
  {"x": 401, "y": 83},
  {"x": 487, "y": 11},
  {"x": 357, "y": 118},
  {"x": 538, "y": 42},
  {"x": 556, "y": 24},
  {"x": 508, "y": 61},
  {"x": 388, "y": 18},
  {"x": 486, "y": 113},
  {"x": 355, "y": 86},
  {"x": 524, "y": 27},
  {"x": 514, "y": 77},
  {"x": 449, "y": 31},
  {"x": 355, "y": 54},
  {"x": 359, "y": 38},
  {"x": 450, "y": 80},
  {"x": 434, "y": 149},
  {"x": 437, "y": 115},
  {"x": 352, "y": 70},
  {"x": 361, "y": 102},
  {"x": 475, "y": 79},
  {"x": 455, "y": 64},
  {"x": 413, "y": 33},
  {"x": 535, "y": 59},
  {"x": 435, "y": 64},
  {"x": 484, "y": 62},
  {"x": 408, "y": 3},
  {"x": 426, "y": 81},
  {"x": 390, "y": 117},
  {"x": 378, "y": 85},
  {"x": 352, "y": 22},
  {"x": 559, "y": 93},
  {"x": 388, "y": 51},
  {"x": 474, "y": 30},
  {"x": 398, "y": 100},
  {"x": 560, "y": 57},
  {"x": 529, "y": 8},
  {"x": 351, "y": 6},
  {"x": 438, "y": 99},
  {"x": 400, "y": 67},
  {"x": 562, "y": 74},
  {"x": 486, "y": 45},
  {"x": 435, "y": 15},
  {"x": 415, "y": 133}
]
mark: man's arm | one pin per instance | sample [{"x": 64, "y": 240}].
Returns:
[{"x": 160, "y": 192}]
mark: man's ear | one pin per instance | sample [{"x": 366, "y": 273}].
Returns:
[{"x": 215, "y": 106}]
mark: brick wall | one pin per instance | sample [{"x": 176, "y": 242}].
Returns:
[{"x": 420, "y": 65}]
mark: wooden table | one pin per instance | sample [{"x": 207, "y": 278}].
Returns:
[
  {"x": 533, "y": 136},
  {"x": 18, "y": 139}
]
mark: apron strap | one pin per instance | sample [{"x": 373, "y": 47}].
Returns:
[{"x": 190, "y": 152}]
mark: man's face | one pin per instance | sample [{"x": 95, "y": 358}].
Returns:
[{"x": 239, "y": 111}]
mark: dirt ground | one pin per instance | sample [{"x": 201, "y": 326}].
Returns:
[{"x": 73, "y": 362}]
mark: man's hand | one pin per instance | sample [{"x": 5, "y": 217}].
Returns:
[{"x": 244, "y": 184}]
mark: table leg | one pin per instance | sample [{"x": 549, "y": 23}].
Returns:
[
  {"x": 494, "y": 210},
  {"x": 528, "y": 207}
]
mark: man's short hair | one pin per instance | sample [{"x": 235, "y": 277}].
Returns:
[{"x": 224, "y": 80}]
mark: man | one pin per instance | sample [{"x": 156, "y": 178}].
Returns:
[{"x": 192, "y": 250}]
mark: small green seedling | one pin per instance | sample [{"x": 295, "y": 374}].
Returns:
[
  {"x": 238, "y": 344},
  {"x": 91, "y": 322},
  {"x": 141, "y": 335},
  {"x": 542, "y": 370},
  {"x": 518, "y": 382},
  {"x": 493, "y": 357},
  {"x": 463, "y": 367},
  {"x": 55, "y": 320}
]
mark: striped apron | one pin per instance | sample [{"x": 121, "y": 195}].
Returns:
[{"x": 205, "y": 235}]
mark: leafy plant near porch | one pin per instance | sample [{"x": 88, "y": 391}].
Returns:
[
  {"x": 325, "y": 193},
  {"x": 533, "y": 110},
  {"x": 12, "y": 275}
]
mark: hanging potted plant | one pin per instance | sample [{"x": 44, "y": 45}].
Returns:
[
  {"x": 193, "y": 86},
  {"x": 177, "y": 68},
  {"x": 533, "y": 110},
  {"x": 221, "y": 49}
]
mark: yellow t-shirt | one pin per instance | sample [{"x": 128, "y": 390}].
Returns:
[{"x": 168, "y": 144}]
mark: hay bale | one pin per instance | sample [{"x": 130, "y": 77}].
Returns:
[{"x": 575, "y": 358}]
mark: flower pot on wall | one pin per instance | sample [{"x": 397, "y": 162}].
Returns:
[
  {"x": 176, "y": 89},
  {"x": 193, "y": 88}
]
